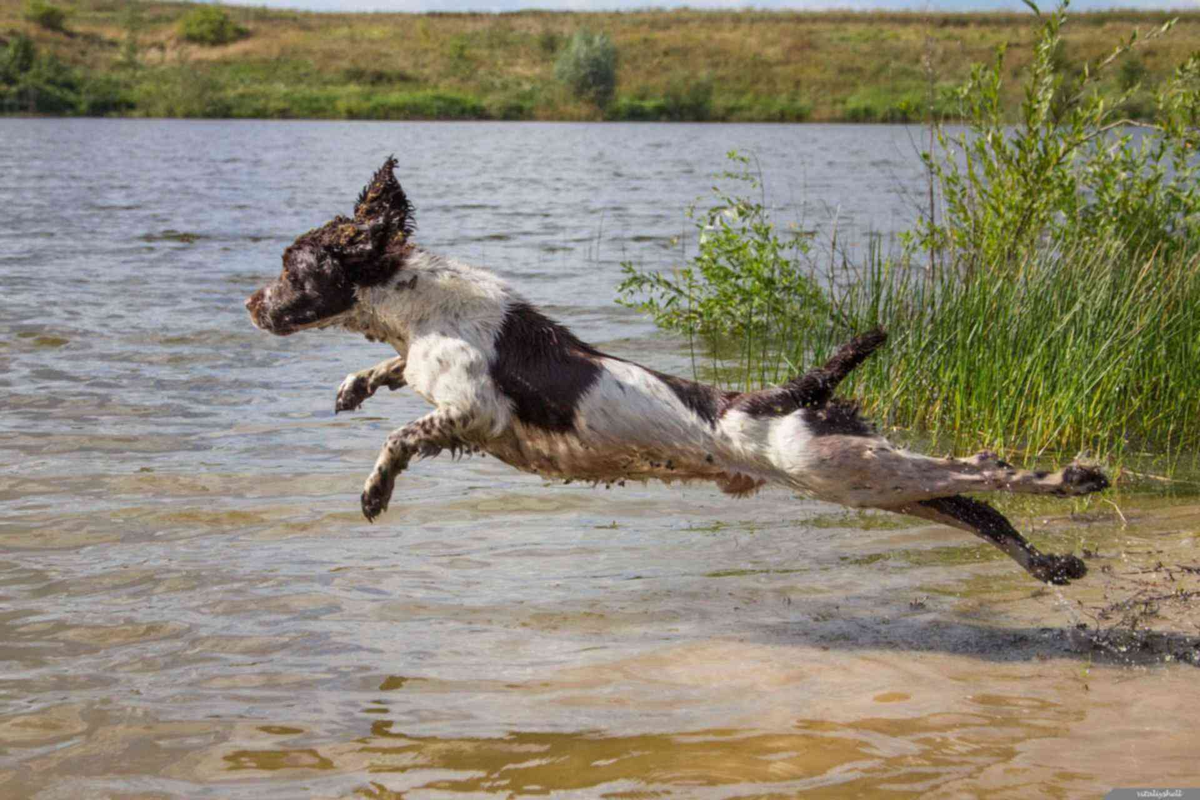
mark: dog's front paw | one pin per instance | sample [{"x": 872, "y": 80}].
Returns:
[
  {"x": 353, "y": 391},
  {"x": 377, "y": 492}
]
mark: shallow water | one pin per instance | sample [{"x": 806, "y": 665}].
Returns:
[{"x": 192, "y": 606}]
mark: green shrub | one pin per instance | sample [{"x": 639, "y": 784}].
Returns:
[
  {"x": 588, "y": 66},
  {"x": 50, "y": 17},
  {"x": 1070, "y": 171},
  {"x": 210, "y": 26}
]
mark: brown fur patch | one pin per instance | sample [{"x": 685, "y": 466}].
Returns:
[{"x": 543, "y": 368}]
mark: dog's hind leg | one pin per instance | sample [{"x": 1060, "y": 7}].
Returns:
[
  {"x": 358, "y": 386},
  {"x": 867, "y": 471},
  {"x": 989, "y": 524},
  {"x": 426, "y": 436}
]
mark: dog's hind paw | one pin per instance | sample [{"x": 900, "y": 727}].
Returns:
[
  {"x": 377, "y": 493},
  {"x": 1059, "y": 570},
  {"x": 355, "y": 389}
]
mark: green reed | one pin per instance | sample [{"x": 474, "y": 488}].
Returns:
[{"x": 1090, "y": 350}]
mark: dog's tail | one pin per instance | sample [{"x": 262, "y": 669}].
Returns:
[{"x": 814, "y": 388}]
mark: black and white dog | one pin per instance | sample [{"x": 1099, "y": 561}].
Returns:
[{"x": 506, "y": 380}]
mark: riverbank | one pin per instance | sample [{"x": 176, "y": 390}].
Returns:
[{"x": 106, "y": 59}]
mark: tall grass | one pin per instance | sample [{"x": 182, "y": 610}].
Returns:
[{"x": 1085, "y": 350}]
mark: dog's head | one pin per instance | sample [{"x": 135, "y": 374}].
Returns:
[{"x": 324, "y": 269}]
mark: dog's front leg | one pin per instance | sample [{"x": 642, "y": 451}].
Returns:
[
  {"x": 358, "y": 386},
  {"x": 426, "y": 436}
]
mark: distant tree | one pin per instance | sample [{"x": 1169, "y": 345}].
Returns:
[{"x": 588, "y": 65}]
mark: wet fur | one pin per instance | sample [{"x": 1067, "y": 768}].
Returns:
[{"x": 506, "y": 380}]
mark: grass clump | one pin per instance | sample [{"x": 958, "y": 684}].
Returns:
[
  {"x": 211, "y": 26},
  {"x": 1049, "y": 309}
]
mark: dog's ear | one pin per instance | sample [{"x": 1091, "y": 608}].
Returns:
[
  {"x": 382, "y": 221},
  {"x": 383, "y": 207}
]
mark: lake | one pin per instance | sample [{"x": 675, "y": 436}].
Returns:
[{"x": 191, "y": 604}]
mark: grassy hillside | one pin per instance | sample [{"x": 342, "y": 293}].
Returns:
[{"x": 130, "y": 58}]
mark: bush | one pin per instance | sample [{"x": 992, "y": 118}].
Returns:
[
  {"x": 210, "y": 26},
  {"x": 41, "y": 13},
  {"x": 1071, "y": 170},
  {"x": 588, "y": 66}
]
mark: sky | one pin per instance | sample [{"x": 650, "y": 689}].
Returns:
[{"x": 608, "y": 5}]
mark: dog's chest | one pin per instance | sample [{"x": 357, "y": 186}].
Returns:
[{"x": 448, "y": 369}]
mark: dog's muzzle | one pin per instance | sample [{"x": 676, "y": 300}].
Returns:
[{"x": 254, "y": 304}]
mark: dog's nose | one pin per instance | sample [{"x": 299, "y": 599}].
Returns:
[{"x": 253, "y": 301}]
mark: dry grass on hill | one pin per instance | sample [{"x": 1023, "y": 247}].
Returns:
[{"x": 734, "y": 65}]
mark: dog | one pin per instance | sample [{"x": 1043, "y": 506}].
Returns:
[{"x": 506, "y": 380}]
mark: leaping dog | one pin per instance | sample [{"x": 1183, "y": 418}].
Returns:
[{"x": 506, "y": 380}]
